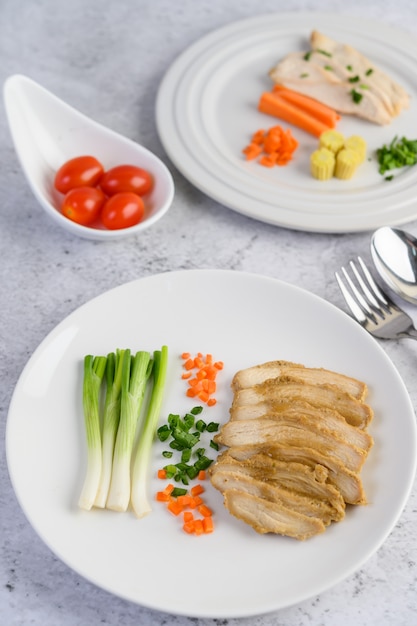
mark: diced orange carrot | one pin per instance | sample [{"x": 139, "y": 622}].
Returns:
[
  {"x": 189, "y": 527},
  {"x": 161, "y": 496},
  {"x": 169, "y": 489},
  {"x": 219, "y": 365},
  {"x": 258, "y": 137},
  {"x": 197, "y": 490},
  {"x": 186, "y": 375},
  {"x": 198, "y": 527},
  {"x": 202, "y": 475},
  {"x": 267, "y": 161},
  {"x": 252, "y": 150},
  {"x": 191, "y": 392},
  {"x": 185, "y": 356},
  {"x": 211, "y": 401},
  {"x": 203, "y": 395},
  {"x": 174, "y": 507},
  {"x": 189, "y": 364},
  {"x": 208, "y": 525},
  {"x": 162, "y": 474},
  {"x": 187, "y": 516},
  {"x": 205, "y": 510},
  {"x": 184, "y": 500}
]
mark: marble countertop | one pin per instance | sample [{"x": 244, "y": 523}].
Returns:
[{"x": 107, "y": 59}]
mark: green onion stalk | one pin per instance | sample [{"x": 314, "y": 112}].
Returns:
[
  {"x": 139, "y": 495},
  {"x": 135, "y": 374},
  {"x": 111, "y": 415},
  {"x": 94, "y": 369}
]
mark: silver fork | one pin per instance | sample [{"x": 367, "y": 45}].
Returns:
[{"x": 371, "y": 307}]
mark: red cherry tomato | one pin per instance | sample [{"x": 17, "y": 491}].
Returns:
[
  {"x": 83, "y": 171},
  {"x": 122, "y": 210},
  {"x": 83, "y": 205},
  {"x": 126, "y": 178}
]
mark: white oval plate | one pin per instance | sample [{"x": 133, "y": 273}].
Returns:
[
  {"x": 207, "y": 111},
  {"x": 242, "y": 319}
]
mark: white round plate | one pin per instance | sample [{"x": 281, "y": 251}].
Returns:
[
  {"x": 242, "y": 319},
  {"x": 207, "y": 111}
]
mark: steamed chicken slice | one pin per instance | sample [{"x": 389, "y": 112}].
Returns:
[
  {"x": 289, "y": 389},
  {"x": 273, "y": 369},
  {"x": 291, "y": 478},
  {"x": 269, "y": 517},
  {"x": 261, "y": 431},
  {"x": 326, "y": 72},
  {"x": 308, "y": 415},
  {"x": 347, "y": 482}
]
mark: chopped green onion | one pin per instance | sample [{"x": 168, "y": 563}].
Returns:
[
  {"x": 328, "y": 68},
  {"x": 214, "y": 445},
  {"x": 356, "y": 96},
  {"x": 213, "y": 427},
  {"x": 354, "y": 79},
  {"x": 307, "y": 55},
  {"x": 196, "y": 410},
  {"x": 304, "y": 75},
  {"x": 399, "y": 153},
  {"x": 178, "y": 491},
  {"x": 349, "y": 68},
  {"x": 94, "y": 369},
  {"x": 369, "y": 72},
  {"x": 327, "y": 54},
  {"x": 167, "y": 454},
  {"x": 139, "y": 496}
]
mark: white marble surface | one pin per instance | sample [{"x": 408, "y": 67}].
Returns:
[{"x": 107, "y": 59}]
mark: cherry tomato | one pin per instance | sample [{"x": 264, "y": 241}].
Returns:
[
  {"x": 83, "y": 171},
  {"x": 126, "y": 178},
  {"x": 122, "y": 210},
  {"x": 83, "y": 205}
]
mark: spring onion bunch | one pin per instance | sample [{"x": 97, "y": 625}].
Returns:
[
  {"x": 111, "y": 435},
  {"x": 94, "y": 369}
]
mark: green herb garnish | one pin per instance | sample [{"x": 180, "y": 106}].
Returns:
[
  {"x": 369, "y": 72},
  {"x": 356, "y": 96},
  {"x": 354, "y": 79},
  {"x": 399, "y": 153}
]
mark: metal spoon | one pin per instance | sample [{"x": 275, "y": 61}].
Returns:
[
  {"x": 394, "y": 253},
  {"x": 46, "y": 132}
]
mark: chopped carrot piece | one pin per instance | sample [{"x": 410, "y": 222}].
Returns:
[
  {"x": 267, "y": 161},
  {"x": 258, "y": 137},
  {"x": 205, "y": 510},
  {"x": 187, "y": 516},
  {"x": 162, "y": 474},
  {"x": 209, "y": 359},
  {"x": 197, "y": 490},
  {"x": 203, "y": 395},
  {"x": 252, "y": 151},
  {"x": 186, "y": 375},
  {"x": 208, "y": 525},
  {"x": 219, "y": 365},
  {"x": 185, "y": 356},
  {"x": 202, "y": 475},
  {"x": 191, "y": 393},
  {"x": 184, "y": 500},
  {"x": 169, "y": 489},
  {"x": 193, "y": 382},
  {"x": 211, "y": 401},
  {"x": 189, "y": 364},
  {"x": 174, "y": 507},
  {"x": 161, "y": 496},
  {"x": 198, "y": 527},
  {"x": 189, "y": 527}
]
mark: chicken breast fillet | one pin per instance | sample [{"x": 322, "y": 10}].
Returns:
[
  {"x": 290, "y": 389},
  {"x": 273, "y": 369},
  {"x": 270, "y": 517},
  {"x": 341, "y": 77}
]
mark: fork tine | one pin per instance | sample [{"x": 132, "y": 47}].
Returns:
[
  {"x": 381, "y": 297},
  {"x": 354, "y": 307},
  {"x": 363, "y": 303}
]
